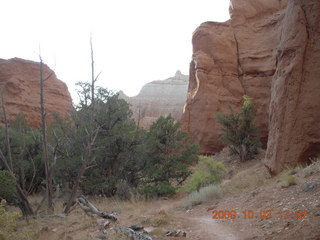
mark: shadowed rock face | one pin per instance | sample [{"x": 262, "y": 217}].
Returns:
[
  {"x": 269, "y": 50},
  {"x": 159, "y": 98},
  {"x": 19, "y": 85},
  {"x": 294, "y": 113}
]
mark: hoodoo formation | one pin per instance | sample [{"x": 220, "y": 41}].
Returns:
[
  {"x": 269, "y": 50},
  {"x": 19, "y": 85},
  {"x": 159, "y": 98}
]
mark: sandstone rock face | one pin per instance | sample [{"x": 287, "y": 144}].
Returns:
[
  {"x": 159, "y": 98},
  {"x": 269, "y": 50},
  {"x": 19, "y": 86},
  {"x": 213, "y": 83},
  {"x": 294, "y": 123}
]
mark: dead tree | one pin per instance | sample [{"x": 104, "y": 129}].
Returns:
[
  {"x": 92, "y": 134},
  {"x": 48, "y": 167}
]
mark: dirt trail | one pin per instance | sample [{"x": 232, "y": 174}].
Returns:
[
  {"x": 203, "y": 227},
  {"x": 198, "y": 225},
  {"x": 214, "y": 229}
]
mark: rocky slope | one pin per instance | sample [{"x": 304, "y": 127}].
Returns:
[
  {"x": 269, "y": 50},
  {"x": 159, "y": 98},
  {"x": 19, "y": 86}
]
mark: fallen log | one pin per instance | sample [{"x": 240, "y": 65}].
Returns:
[
  {"x": 176, "y": 233},
  {"x": 91, "y": 210}
]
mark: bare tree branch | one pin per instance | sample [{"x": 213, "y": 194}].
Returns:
[
  {"x": 33, "y": 174},
  {"x": 48, "y": 168}
]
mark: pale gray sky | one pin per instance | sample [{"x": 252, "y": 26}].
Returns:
[{"x": 135, "y": 41}]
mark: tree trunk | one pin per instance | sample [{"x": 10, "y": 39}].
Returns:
[
  {"x": 21, "y": 172},
  {"x": 49, "y": 187},
  {"x": 24, "y": 204},
  {"x": 75, "y": 188}
]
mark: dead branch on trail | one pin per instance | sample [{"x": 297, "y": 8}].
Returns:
[
  {"x": 91, "y": 210},
  {"x": 131, "y": 234}
]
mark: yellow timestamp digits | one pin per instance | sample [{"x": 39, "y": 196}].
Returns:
[{"x": 262, "y": 214}]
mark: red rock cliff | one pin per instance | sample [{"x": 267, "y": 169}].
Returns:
[
  {"x": 19, "y": 84},
  {"x": 269, "y": 50}
]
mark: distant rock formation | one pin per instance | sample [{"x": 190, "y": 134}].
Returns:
[
  {"x": 269, "y": 50},
  {"x": 159, "y": 98},
  {"x": 19, "y": 84}
]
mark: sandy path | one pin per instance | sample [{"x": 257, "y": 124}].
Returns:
[
  {"x": 204, "y": 228},
  {"x": 214, "y": 229},
  {"x": 199, "y": 226}
]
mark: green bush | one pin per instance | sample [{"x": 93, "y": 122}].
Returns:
[
  {"x": 239, "y": 132},
  {"x": 124, "y": 191},
  {"x": 8, "y": 224},
  {"x": 209, "y": 171},
  {"x": 157, "y": 190},
  {"x": 169, "y": 155},
  {"x": 196, "y": 198},
  {"x": 288, "y": 180},
  {"x": 7, "y": 186},
  {"x": 96, "y": 184}
]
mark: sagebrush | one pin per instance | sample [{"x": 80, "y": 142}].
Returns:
[{"x": 202, "y": 195}]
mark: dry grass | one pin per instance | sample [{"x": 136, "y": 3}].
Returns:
[
  {"x": 77, "y": 225},
  {"x": 256, "y": 176},
  {"x": 155, "y": 214},
  {"x": 312, "y": 169},
  {"x": 247, "y": 179}
]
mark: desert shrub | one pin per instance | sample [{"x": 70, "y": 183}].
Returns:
[
  {"x": 295, "y": 170},
  {"x": 209, "y": 171},
  {"x": 239, "y": 132},
  {"x": 156, "y": 190},
  {"x": 204, "y": 193},
  {"x": 26, "y": 154},
  {"x": 8, "y": 224},
  {"x": 96, "y": 184},
  {"x": 7, "y": 186},
  {"x": 288, "y": 180},
  {"x": 124, "y": 191},
  {"x": 312, "y": 169}
]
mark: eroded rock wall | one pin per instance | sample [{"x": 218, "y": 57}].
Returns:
[
  {"x": 294, "y": 114},
  {"x": 269, "y": 50},
  {"x": 19, "y": 86},
  {"x": 213, "y": 83}
]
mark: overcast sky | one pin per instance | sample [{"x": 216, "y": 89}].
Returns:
[{"x": 135, "y": 41}]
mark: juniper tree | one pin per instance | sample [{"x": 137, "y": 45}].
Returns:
[
  {"x": 239, "y": 132},
  {"x": 169, "y": 156}
]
